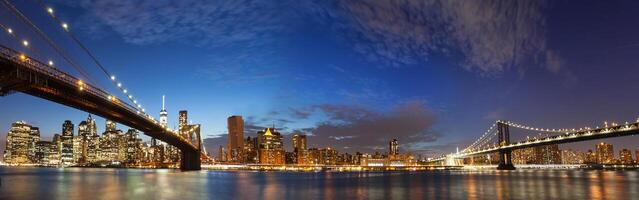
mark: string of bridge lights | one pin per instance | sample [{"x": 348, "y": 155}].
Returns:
[
  {"x": 562, "y": 130},
  {"x": 24, "y": 42},
  {"x": 138, "y": 106},
  {"x": 480, "y": 138}
]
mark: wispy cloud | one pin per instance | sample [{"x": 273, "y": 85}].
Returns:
[{"x": 490, "y": 36}]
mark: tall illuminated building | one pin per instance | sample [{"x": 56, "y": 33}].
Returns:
[
  {"x": 235, "y": 143},
  {"x": 605, "y": 153},
  {"x": 182, "y": 119},
  {"x": 163, "y": 114},
  {"x": 270, "y": 147},
  {"x": 393, "y": 147},
  {"x": 299, "y": 148},
  {"x": 67, "y": 144},
  {"x": 20, "y": 148},
  {"x": 164, "y": 121}
]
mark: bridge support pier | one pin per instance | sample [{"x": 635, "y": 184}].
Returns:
[
  {"x": 190, "y": 160},
  {"x": 505, "y": 156}
]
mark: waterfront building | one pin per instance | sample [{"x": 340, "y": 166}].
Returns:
[
  {"x": 299, "y": 148},
  {"x": 19, "y": 143},
  {"x": 42, "y": 152},
  {"x": 605, "y": 153},
  {"x": 571, "y": 157},
  {"x": 250, "y": 150},
  {"x": 235, "y": 143},
  {"x": 625, "y": 157},
  {"x": 523, "y": 156},
  {"x": 313, "y": 156},
  {"x": 328, "y": 156},
  {"x": 271, "y": 150},
  {"x": 67, "y": 143},
  {"x": 393, "y": 147},
  {"x": 77, "y": 149},
  {"x": 591, "y": 157},
  {"x": 547, "y": 154}
]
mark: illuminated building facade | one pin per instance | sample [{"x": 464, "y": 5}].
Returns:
[
  {"x": 605, "y": 153},
  {"x": 570, "y": 157},
  {"x": 250, "y": 150},
  {"x": 67, "y": 144},
  {"x": 625, "y": 157},
  {"x": 20, "y": 145},
  {"x": 235, "y": 143},
  {"x": 271, "y": 149},
  {"x": 299, "y": 148},
  {"x": 393, "y": 147}
]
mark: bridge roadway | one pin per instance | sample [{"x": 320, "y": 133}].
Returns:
[{"x": 20, "y": 73}]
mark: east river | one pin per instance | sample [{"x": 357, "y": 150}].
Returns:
[{"x": 86, "y": 183}]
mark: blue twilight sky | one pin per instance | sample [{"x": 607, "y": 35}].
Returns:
[{"x": 352, "y": 74}]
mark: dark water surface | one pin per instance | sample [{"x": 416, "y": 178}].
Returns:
[{"x": 77, "y": 183}]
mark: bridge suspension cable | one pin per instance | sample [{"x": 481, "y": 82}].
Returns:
[
  {"x": 554, "y": 130},
  {"x": 48, "y": 40},
  {"x": 483, "y": 139},
  {"x": 110, "y": 76}
]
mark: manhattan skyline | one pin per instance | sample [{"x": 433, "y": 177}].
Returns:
[{"x": 338, "y": 73}]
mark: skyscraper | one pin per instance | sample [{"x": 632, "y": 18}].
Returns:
[
  {"x": 393, "y": 147},
  {"x": 182, "y": 119},
  {"x": 235, "y": 143},
  {"x": 18, "y": 146},
  {"x": 605, "y": 153},
  {"x": 163, "y": 114},
  {"x": 299, "y": 148},
  {"x": 270, "y": 149},
  {"x": 67, "y": 143}
]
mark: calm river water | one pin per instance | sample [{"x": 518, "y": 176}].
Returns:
[{"x": 79, "y": 183}]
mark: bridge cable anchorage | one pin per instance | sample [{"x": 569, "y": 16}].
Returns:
[
  {"x": 48, "y": 40},
  {"x": 110, "y": 76}
]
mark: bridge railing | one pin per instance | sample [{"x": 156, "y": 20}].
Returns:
[{"x": 38, "y": 66}]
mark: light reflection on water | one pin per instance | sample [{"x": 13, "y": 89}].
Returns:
[{"x": 82, "y": 183}]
